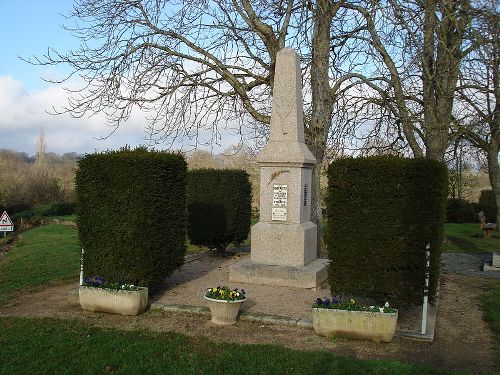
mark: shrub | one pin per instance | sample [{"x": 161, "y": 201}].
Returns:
[
  {"x": 460, "y": 211},
  {"x": 14, "y": 209},
  {"x": 35, "y": 216},
  {"x": 132, "y": 215},
  {"x": 382, "y": 212},
  {"x": 219, "y": 207},
  {"x": 488, "y": 205}
]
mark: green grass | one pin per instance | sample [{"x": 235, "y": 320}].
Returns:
[
  {"x": 44, "y": 255},
  {"x": 468, "y": 238},
  {"x": 64, "y": 217},
  {"x": 68, "y": 347},
  {"x": 491, "y": 308}
]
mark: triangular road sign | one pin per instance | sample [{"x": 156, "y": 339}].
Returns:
[{"x": 6, "y": 225}]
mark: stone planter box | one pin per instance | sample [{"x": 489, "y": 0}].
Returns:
[
  {"x": 122, "y": 302},
  {"x": 224, "y": 312},
  {"x": 362, "y": 325}
]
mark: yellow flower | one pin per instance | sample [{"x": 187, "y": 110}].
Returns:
[
  {"x": 214, "y": 290},
  {"x": 352, "y": 301}
]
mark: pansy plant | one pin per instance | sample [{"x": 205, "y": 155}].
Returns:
[
  {"x": 100, "y": 282},
  {"x": 350, "y": 305},
  {"x": 225, "y": 293}
]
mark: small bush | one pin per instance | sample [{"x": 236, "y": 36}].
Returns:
[
  {"x": 488, "y": 205},
  {"x": 219, "y": 207},
  {"x": 382, "y": 212},
  {"x": 460, "y": 211},
  {"x": 132, "y": 215}
]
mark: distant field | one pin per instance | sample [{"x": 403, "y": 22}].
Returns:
[{"x": 468, "y": 238}]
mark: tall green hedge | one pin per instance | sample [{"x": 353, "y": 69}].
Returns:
[
  {"x": 132, "y": 215},
  {"x": 461, "y": 211},
  {"x": 382, "y": 212},
  {"x": 219, "y": 207},
  {"x": 488, "y": 205}
]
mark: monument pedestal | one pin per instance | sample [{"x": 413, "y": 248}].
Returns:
[
  {"x": 284, "y": 241},
  {"x": 495, "y": 263},
  {"x": 308, "y": 276},
  {"x": 287, "y": 245}
]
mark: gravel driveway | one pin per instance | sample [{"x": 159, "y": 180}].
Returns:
[{"x": 468, "y": 264}]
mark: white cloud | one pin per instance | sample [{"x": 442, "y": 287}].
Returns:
[{"x": 23, "y": 113}]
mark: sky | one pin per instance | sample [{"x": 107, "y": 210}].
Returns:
[{"x": 27, "y": 29}]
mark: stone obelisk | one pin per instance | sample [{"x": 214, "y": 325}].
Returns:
[{"x": 284, "y": 240}]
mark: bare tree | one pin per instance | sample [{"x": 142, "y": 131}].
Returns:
[
  {"x": 479, "y": 92},
  {"x": 414, "y": 49},
  {"x": 202, "y": 66},
  {"x": 40, "y": 149},
  {"x": 198, "y": 67}
]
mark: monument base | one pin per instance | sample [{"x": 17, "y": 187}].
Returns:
[
  {"x": 308, "y": 276},
  {"x": 495, "y": 263}
]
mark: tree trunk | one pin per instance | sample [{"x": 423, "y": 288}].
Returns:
[
  {"x": 441, "y": 56},
  {"x": 321, "y": 116},
  {"x": 494, "y": 174}
]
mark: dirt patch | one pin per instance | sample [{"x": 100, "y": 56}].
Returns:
[{"x": 462, "y": 340}]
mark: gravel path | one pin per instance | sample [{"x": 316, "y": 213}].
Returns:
[{"x": 468, "y": 264}]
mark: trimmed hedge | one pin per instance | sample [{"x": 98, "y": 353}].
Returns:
[
  {"x": 461, "y": 211},
  {"x": 382, "y": 212},
  {"x": 219, "y": 207},
  {"x": 132, "y": 215},
  {"x": 488, "y": 205}
]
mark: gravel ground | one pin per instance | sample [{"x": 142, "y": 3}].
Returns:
[{"x": 468, "y": 264}]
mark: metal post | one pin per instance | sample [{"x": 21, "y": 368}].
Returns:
[
  {"x": 81, "y": 268},
  {"x": 426, "y": 290}
]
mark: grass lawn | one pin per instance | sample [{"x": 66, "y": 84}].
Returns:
[
  {"x": 491, "y": 309},
  {"x": 69, "y": 347},
  {"x": 44, "y": 255},
  {"x": 468, "y": 238},
  {"x": 51, "y": 253}
]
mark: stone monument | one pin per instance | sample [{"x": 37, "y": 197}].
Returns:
[{"x": 284, "y": 240}]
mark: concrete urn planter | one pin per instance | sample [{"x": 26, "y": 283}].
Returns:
[
  {"x": 364, "y": 325},
  {"x": 224, "y": 312},
  {"x": 122, "y": 302}
]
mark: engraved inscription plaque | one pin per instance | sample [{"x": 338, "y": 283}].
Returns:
[
  {"x": 279, "y": 214},
  {"x": 280, "y": 196},
  {"x": 306, "y": 194}
]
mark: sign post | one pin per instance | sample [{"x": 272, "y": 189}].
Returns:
[{"x": 6, "y": 224}]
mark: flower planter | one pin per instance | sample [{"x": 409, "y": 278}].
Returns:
[
  {"x": 224, "y": 312},
  {"x": 363, "y": 325},
  {"x": 123, "y": 302}
]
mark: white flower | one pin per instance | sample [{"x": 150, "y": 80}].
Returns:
[
  {"x": 237, "y": 294},
  {"x": 123, "y": 286},
  {"x": 386, "y": 304},
  {"x": 372, "y": 307},
  {"x": 132, "y": 285},
  {"x": 381, "y": 309}
]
